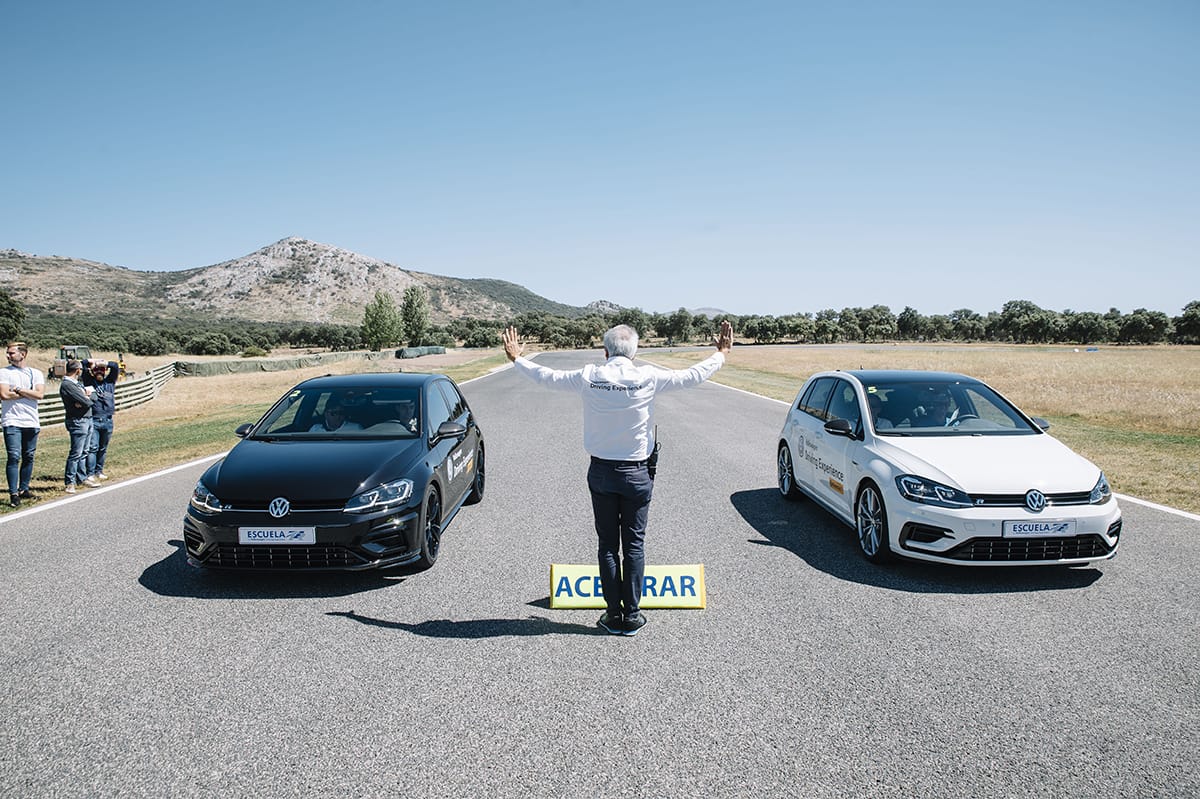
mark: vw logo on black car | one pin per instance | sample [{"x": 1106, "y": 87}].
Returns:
[{"x": 279, "y": 507}]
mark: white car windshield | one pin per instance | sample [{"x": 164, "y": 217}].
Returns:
[{"x": 943, "y": 408}]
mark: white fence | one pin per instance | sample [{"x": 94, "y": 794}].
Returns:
[{"x": 127, "y": 393}]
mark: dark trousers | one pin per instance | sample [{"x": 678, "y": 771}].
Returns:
[
  {"x": 20, "y": 443},
  {"x": 620, "y": 503}
]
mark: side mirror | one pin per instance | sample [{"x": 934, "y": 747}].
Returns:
[
  {"x": 243, "y": 430},
  {"x": 449, "y": 430},
  {"x": 1040, "y": 422},
  {"x": 839, "y": 427}
]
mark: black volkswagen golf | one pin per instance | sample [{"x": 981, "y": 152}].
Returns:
[{"x": 343, "y": 472}]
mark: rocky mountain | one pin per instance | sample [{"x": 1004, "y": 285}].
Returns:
[{"x": 291, "y": 280}]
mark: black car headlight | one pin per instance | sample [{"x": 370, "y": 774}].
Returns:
[
  {"x": 380, "y": 497},
  {"x": 205, "y": 500},
  {"x": 927, "y": 492},
  {"x": 1101, "y": 492}
]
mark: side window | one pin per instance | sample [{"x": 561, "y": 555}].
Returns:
[
  {"x": 844, "y": 404},
  {"x": 439, "y": 411},
  {"x": 802, "y": 400},
  {"x": 816, "y": 400},
  {"x": 458, "y": 406}
]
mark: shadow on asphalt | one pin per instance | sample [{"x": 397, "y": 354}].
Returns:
[
  {"x": 476, "y": 628},
  {"x": 172, "y": 576},
  {"x": 816, "y": 537}
]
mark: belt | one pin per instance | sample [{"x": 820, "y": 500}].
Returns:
[{"x": 608, "y": 462}]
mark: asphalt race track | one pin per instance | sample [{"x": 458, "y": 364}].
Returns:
[{"x": 811, "y": 673}]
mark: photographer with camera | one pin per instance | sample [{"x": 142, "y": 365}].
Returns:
[{"x": 618, "y": 417}]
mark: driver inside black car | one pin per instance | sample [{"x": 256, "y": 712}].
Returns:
[{"x": 334, "y": 419}]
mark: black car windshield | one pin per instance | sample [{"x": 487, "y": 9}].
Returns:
[
  {"x": 350, "y": 413},
  {"x": 943, "y": 408}
]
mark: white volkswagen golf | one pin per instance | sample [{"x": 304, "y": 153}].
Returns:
[{"x": 940, "y": 467}]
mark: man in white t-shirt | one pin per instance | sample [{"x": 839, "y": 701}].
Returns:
[{"x": 21, "y": 387}]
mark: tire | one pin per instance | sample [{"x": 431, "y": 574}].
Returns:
[
  {"x": 787, "y": 475},
  {"x": 431, "y": 527},
  {"x": 479, "y": 483},
  {"x": 870, "y": 523}
]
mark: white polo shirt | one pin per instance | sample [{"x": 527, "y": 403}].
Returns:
[
  {"x": 618, "y": 400},
  {"x": 21, "y": 412}
]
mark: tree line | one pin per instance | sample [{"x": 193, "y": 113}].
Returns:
[
  {"x": 388, "y": 324},
  {"x": 1019, "y": 321}
]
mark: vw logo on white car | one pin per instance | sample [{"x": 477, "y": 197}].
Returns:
[
  {"x": 1035, "y": 500},
  {"x": 279, "y": 507}
]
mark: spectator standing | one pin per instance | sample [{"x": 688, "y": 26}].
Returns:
[
  {"x": 21, "y": 387},
  {"x": 77, "y": 405},
  {"x": 102, "y": 377}
]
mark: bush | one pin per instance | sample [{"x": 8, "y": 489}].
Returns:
[
  {"x": 210, "y": 344},
  {"x": 147, "y": 342},
  {"x": 482, "y": 337},
  {"x": 254, "y": 352}
]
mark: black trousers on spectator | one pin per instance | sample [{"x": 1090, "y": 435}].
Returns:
[{"x": 621, "y": 504}]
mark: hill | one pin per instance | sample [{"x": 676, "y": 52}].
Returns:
[{"x": 292, "y": 280}]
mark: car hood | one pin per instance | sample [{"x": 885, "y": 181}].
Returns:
[
  {"x": 314, "y": 471},
  {"x": 993, "y": 464}
]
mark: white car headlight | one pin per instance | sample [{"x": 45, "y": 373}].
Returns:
[
  {"x": 927, "y": 492},
  {"x": 1102, "y": 492},
  {"x": 380, "y": 497},
  {"x": 205, "y": 500}
]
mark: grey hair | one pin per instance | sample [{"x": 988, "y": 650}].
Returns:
[{"x": 621, "y": 340}]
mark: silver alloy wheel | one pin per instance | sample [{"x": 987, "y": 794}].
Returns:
[
  {"x": 787, "y": 477},
  {"x": 871, "y": 523}
]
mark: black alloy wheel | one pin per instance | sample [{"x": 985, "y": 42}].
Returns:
[
  {"x": 477, "y": 486},
  {"x": 431, "y": 526}
]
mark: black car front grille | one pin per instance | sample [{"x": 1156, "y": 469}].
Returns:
[
  {"x": 1018, "y": 500},
  {"x": 315, "y": 556},
  {"x": 298, "y": 506},
  {"x": 1018, "y": 549}
]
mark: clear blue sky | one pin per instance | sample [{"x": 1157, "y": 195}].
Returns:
[{"x": 758, "y": 157}]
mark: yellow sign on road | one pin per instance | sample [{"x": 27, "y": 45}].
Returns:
[{"x": 578, "y": 586}]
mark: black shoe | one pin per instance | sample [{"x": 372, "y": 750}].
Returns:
[
  {"x": 14, "y": 500},
  {"x": 615, "y": 625},
  {"x": 26, "y": 494},
  {"x": 634, "y": 623}
]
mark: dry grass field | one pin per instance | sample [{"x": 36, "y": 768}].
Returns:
[{"x": 1132, "y": 410}]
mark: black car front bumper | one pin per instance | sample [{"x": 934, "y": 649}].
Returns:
[{"x": 344, "y": 542}]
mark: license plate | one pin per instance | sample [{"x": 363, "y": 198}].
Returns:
[
  {"x": 292, "y": 536},
  {"x": 1048, "y": 527}
]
